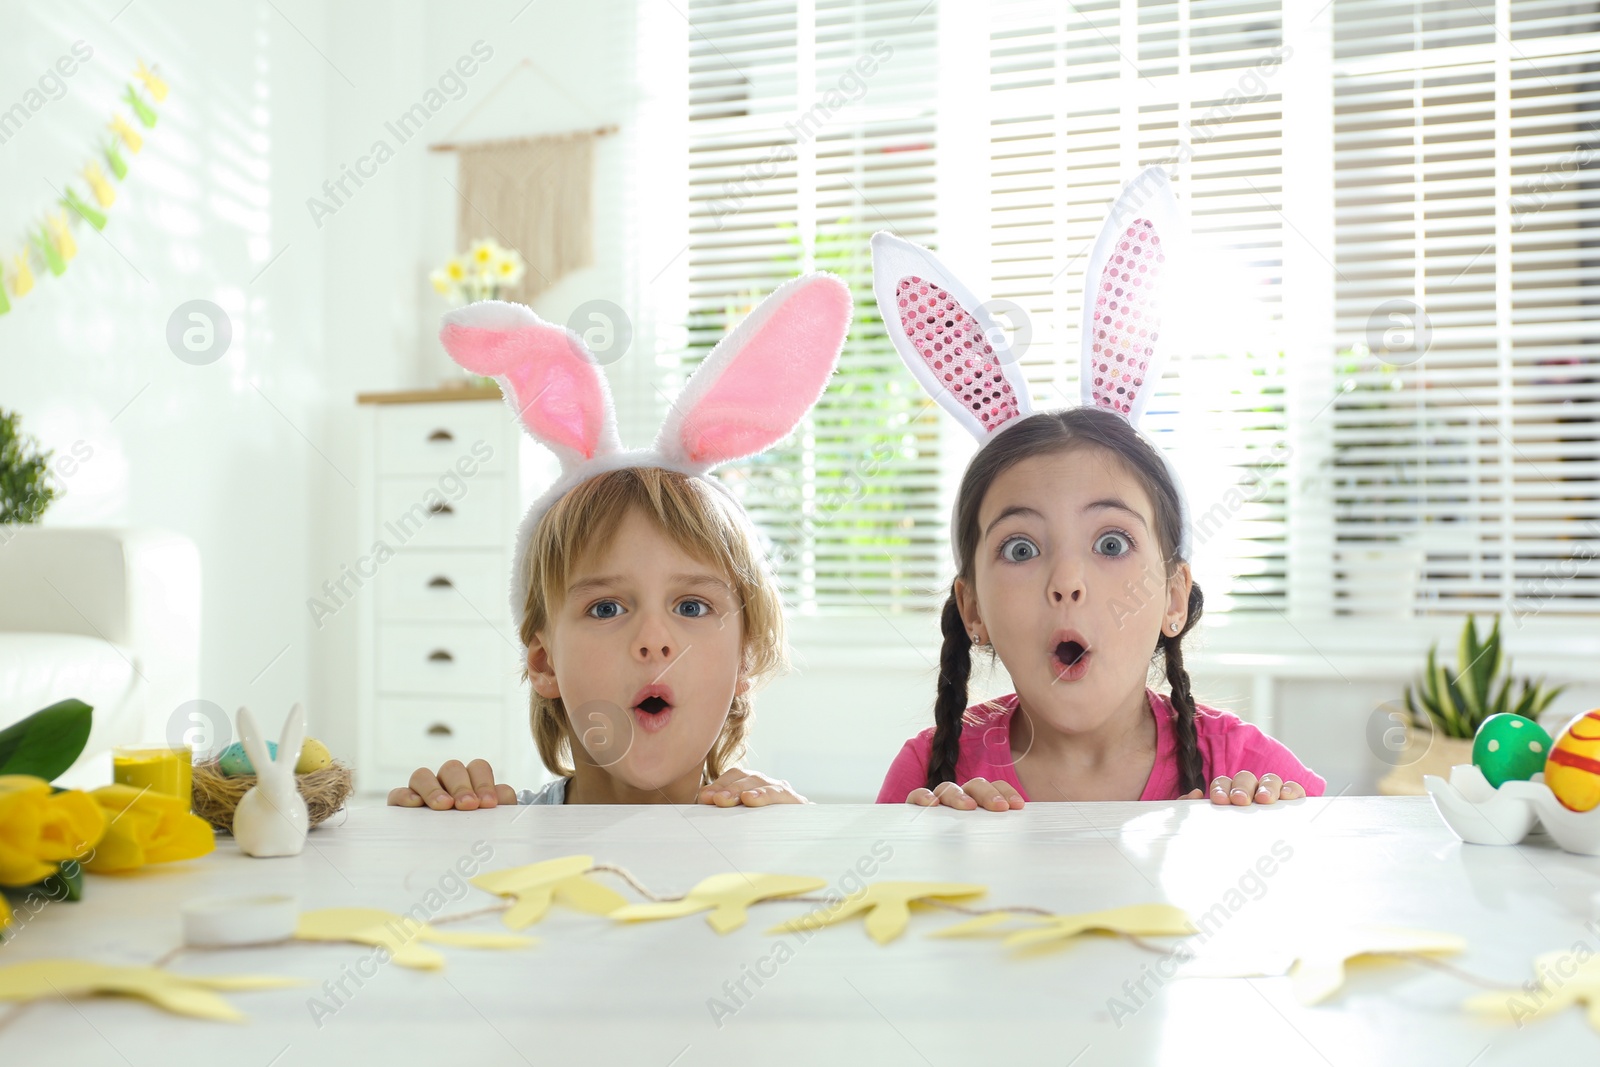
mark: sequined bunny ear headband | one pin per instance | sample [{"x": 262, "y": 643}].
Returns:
[
  {"x": 749, "y": 392},
  {"x": 959, "y": 354}
]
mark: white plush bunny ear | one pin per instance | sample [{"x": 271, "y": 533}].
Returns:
[
  {"x": 548, "y": 376},
  {"x": 1122, "y": 352},
  {"x": 759, "y": 381},
  {"x": 947, "y": 339}
]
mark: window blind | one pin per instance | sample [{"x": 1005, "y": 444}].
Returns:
[
  {"x": 1466, "y": 446},
  {"x": 811, "y": 127},
  {"x": 1081, "y": 97}
]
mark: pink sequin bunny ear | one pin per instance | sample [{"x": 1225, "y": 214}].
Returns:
[
  {"x": 546, "y": 373},
  {"x": 1122, "y": 351},
  {"x": 756, "y": 385},
  {"x": 946, "y": 338}
]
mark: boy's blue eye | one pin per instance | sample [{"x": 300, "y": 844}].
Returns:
[
  {"x": 1019, "y": 550},
  {"x": 1114, "y": 544},
  {"x": 605, "y": 609},
  {"x": 694, "y": 609}
]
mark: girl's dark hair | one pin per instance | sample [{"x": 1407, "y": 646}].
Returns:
[{"x": 1041, "y": 434}]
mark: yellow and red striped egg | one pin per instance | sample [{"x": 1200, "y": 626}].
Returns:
[{"x": 1573, "y": 770}]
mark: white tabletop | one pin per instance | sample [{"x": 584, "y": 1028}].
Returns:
[{"x": 596, "y": 991}]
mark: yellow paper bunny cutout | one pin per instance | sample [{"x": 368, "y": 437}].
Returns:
[
  {"x": 129, "y": 135},
  {"x": 61, "y": 235},
  {"x": 152, "y": 81},
  {"x": 22, "y": 281},
  {"x": 104, "y": 194}
]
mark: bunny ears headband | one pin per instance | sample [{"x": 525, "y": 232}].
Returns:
[
  {"x": 955, "y": 349},
  {"x": 747, "y": 394}
]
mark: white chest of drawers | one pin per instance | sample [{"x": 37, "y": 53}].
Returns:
[{"x": 442, "y": 489}]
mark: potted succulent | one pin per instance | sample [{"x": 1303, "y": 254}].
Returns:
[{"x": 1446, "y": 707}]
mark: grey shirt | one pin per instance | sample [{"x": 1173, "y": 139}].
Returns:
[{"x": 550, "y": 793}]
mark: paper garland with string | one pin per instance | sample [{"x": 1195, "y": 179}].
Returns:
[
  {"x": 51, "y": 238},
  {"x": 1317, "y": 966}
]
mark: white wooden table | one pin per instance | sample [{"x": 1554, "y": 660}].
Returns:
[{"x": 596, "y": 991}]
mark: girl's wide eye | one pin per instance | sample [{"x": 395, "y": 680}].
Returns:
[
  {"x": 694, "y": 609},
  {"x": 1019, "y": 550},
  {"x": 605, "y": 609},
  {"x": 1113, "y": 544}
]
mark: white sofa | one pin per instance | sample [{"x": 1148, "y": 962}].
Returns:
[{"x": 110, "y": 616}]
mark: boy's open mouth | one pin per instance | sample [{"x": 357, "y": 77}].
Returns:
[{"x": 652, "y": 706}]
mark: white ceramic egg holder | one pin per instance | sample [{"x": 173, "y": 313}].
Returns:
[{"x": 1480, "y": 814}]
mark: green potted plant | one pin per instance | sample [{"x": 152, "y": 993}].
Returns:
[
  {"x": 25, "y": 485},
  {"x": 1446, "y": 706}
]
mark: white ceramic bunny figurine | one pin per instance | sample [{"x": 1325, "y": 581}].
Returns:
[{"x": 272, "y": 820}]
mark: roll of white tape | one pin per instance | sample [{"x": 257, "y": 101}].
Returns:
[{"x": 213, "y": 921}]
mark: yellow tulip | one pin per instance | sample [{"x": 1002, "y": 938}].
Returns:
[
  {"x": 40, "y": 829},
  {"x": 5, "y": 914},
  {"x": 145, "y": 827}
]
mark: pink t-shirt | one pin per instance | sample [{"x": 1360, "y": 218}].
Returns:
[{"x": 1228, "y": 745}]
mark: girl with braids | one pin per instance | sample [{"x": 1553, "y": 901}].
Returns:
[{"x": 1070, "y": 534}]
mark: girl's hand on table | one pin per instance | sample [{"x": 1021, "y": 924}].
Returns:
[
  {"x": 1244, "y": 789},
  {"x": 750, "y": 788},
  {"x": 465, "y": 788},
  {"x": 979, "y": 792}
]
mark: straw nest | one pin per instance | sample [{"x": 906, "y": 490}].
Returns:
[{"x": 216, "y": 795}]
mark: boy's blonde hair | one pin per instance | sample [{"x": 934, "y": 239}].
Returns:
[{"x": 701, "y": 521}]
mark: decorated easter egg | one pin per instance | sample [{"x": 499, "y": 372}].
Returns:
[
  {"x": 1510, "y": 748},
  {"x": 1573, "y": 771},
  {"x": 235, "y": 761},
  {"x": 314, "y": 756}
]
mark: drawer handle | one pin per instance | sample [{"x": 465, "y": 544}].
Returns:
[
  {"x": 441, "y": 509},
  {"x": 440, "y": 655},
  {"x": 441, "y": 435},
  {"x": 439, "y": 581},
  {"x": 439, "y": 729}
]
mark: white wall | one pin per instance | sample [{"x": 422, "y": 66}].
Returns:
[
  {"x": 217, "y": 452},
  {"x": 255, "y": 455}
]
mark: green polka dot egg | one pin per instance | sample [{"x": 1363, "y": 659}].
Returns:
[{"x": 1510, "y": 748}]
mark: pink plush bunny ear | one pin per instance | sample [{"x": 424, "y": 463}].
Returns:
[
  {"x": 1122, "y": 351},
  {"x": 947, "y": 339},
  {"x": 548, "y": 375},
  {"x": 759, "y": 381}
]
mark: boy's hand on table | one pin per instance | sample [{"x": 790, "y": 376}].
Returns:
[
  {"x": 750, "y": 788},
  {"x": 1244, "y": 789},
  {"x": 465, "y": 788},
  {"x": 979, "y": 792}
]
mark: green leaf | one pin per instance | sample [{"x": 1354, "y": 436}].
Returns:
[
  {"x": 1466, "y": 660},
  {"x": 1494, "y": 659},
  {"x": 1502, "y": 703},
  {"x": 47, "y": 742}
]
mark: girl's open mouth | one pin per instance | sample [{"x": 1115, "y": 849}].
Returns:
[{"x": 1071, "y": 659}]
